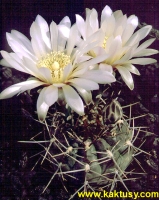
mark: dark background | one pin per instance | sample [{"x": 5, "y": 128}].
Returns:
[{"x": 19, "y": 15}]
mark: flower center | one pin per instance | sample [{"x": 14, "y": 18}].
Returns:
[
  {"x": 56, "y": 62},
  {"x": 105, "y": 42}
]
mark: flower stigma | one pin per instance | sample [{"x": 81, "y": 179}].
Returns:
[{"x": 55, "y": 62}]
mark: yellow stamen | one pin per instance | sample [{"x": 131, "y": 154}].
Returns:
[
  {"x": 105, "y": 42},
  {"x": 56, "y": 62}
]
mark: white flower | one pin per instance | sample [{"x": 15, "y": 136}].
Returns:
[
  {"x": 117, "y": 40},
  {"x": 54, "y": 63}
]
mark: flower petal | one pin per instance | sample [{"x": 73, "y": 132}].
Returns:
[
  {"x": 128, "y": 55},
  {"x": 99, "y": 76},
  {"x": 85, "y": 84},
  {"x": 24, "y": 40},
  {"x": 115, "y": 46},
  {"x": 78, "y": 72},
  {"x": 32, "y": 69},
  {"x": 67, "y": 71},
  {"x": 18, "y": 47},
  {"x": 19, "y": 88},
  {"x": 73, "y": 99},
  {"x": 106, "y": 13},
  {"x": 117, "y": 14},
  {"x": 132, "y": 69},
  {"x": 140, "y": 34},
  {"x": 94, "y": 20},
  {"x": 108, "y": 26},
  {"x": 10, "y": 92},
  {"x": 42, "y": 107},
  {"x": 126, "y": 76},
  {"x": 46, "y": 73},
  {"x": 63, "y": 35},
  {"x": 81, "y": 26},
  {"x": 72, "y": 40},
  {"x": 64, "y": 30},
  {"x": 133, "y": 20},
  {"x": 127, "y": 33},
  {"x": 83, "y": 58},
  {"x": 54, "y": 35},
  {"x": 38, "y": 44},
  {"x": 4, "y": 63},
  {"x": 143, "y": 61},
  {"x": 144, "y": 45},
  {"x": 66, "y": 21},
  {"x": 86, "y": 95},
  {"x": 85, "y": 48},
  {"x": 44, "y": 30},
  {"x": 51, "y": 95},
  {"x": 106, "y": 67},
  {"x": 146, "y": 52},
  {"x": 7, "y": 56},
  {"x": 95, "y": 60},
  {"x": 97, "y": 51}
]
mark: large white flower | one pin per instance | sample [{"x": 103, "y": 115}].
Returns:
[
  {"x": 117, "y": 40},
  {"x": 54, "y": 62}
]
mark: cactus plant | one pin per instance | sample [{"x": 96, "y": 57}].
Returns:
[
  {"x": 90, "y": 152},
  {"x": 92, "y": 142}
]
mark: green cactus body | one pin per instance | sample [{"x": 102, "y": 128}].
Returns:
[{"x": 92, "y": 156}]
